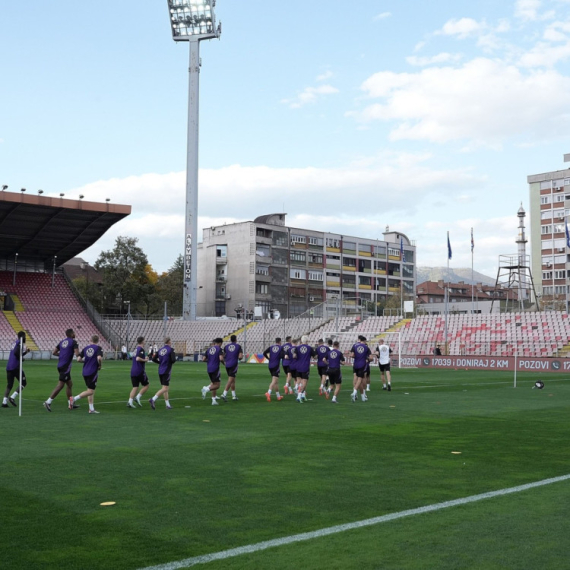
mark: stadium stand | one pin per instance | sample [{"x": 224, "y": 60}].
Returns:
[{"x": 46, "y": 312}]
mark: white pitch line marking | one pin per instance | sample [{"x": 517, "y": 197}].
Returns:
[{"x": 204, "y": 559}]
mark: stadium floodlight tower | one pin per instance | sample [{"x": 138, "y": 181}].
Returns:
[{"x": 192, "y": 21}]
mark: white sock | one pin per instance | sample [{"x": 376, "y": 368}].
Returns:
[
  {"x": 354, "y": 392},
  {"x": 5, "y": 401},
  {"x": 138, "y": 397},
  {"x": 277, "y": 394},
  {"x": 363, "y": 396},
  {"x": 76, "y": 398},
  {"x": 49, "y": 401},
  {"x": 130, "y": 400},
  {"x": 389, "y": 383},
  {"x": 155, "y": 398},
  {"x": 167, "y": 402},
  {"x": 334, "y": 399},
  {"x": 384, "y": 384},
  {"x": 322, "y": 386},
  {"x": 206, "y": 388},
  {"x": 234, "y": 394},
  {"x": 224, "y": 393},
  {"x": 14, "y": 395},
  {"x": 91, "y": 407},
  {"x": 269, "y": 391}
]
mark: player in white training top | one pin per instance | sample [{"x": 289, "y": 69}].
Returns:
[{"x": 383, "y": 352}]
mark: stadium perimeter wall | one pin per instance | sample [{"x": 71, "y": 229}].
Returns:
[{"x": 523, "y": 364}]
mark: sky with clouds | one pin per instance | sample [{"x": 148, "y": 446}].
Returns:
[{"x": 424, "y": 116}]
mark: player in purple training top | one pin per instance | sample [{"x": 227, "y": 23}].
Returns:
[
  {"x": 303, "y": 355},
  {"x": 213, "y": 357},
  {"x": 67, "y": 349},
  {"x": 165, "y": 358},
  {"x": 335, "y": 360},
  {"x": 322, "y": 355},
  {"x": 13, "y": 370},
  {"x": 361, "y": 357},
  {"x": 274, "y": 354},
  {"x": 286, "y": 361},
  {"x": 92, "y": 357},
  {"x": 138, "y": 374},
  {"x": 232, "y": 355},
  {"x": 293, "y": 365}
]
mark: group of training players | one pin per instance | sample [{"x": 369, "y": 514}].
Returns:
[{"x": 295, "y": 356}]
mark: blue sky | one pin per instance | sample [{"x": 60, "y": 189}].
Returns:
[{"x": 426, "y": 117}]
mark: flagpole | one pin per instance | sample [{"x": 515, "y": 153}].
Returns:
[
  {"x": 472, "y": 296},
  {"x": 447, "y": 295}
]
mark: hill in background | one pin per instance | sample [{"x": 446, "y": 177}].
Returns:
[{"x": 453, "y": 275}]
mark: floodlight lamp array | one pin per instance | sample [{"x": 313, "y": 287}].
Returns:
[{"x": 193, "y": 19}]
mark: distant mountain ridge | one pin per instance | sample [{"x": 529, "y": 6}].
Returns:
[{"x": 453, "y": 275}]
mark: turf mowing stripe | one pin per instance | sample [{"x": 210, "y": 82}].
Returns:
[{"x": 204, "y": 559}]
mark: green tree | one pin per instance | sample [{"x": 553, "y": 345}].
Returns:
[{"x": 126, "y": 277}]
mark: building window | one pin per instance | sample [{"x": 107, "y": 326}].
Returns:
[
  {"x": 262, "y": 270},
  {"x": 546, "y": 215},
  {"x": 298, "y": 239},
  {"x": 315, "y": 241},
  {"x": 349, "y": 261},
  {"x": 315, "y": 276},
  {"x": 560, "y": 274},
  {"x": 333, "y": 242},
  {"x": 262, "y": 288},
  {"x": 349, "y": 246},
  {"x": 262, "y": 250},
  {"x": 560, "y": 198},
  {"x": 349, "y": 280},
  {"x": 367, "y": 281},
  {"x": 545, "y": 199},
  {"x": 393, "y": 252},
  {"x": 315, "y": 258},
  {"x": 298, "y": 274},
  {"x": 221, "y": 251},
  {"x": 298, "y": 256},
  {"x": 545, "y": 229}
]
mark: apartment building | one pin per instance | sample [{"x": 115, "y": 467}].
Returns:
[{"x": 265, "y": 263}]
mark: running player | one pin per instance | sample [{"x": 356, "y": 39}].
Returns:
[
  {"x": 384, "y": 351},
  {"x": 165, "y": 358},
  {"x": 66, "y": 350},
  {"x": 13, "y": 370},
  {"x": 303, "y": 354},
  {"x": 286, "y": 361},
  {"x": 233, "y": 353},
  {"x": 361, "y": 355},
  {"x": 138, "y": 374},
  {"x": 213, "y": 357},
  {"x": 335, "y": 359},
  {"x": 366, "y": 369},
  {"x": 92, "y": 357},
  {"x": 293, "y": 365},
  {"x": 274, "y": 354},
  {"x": 322, "y": 354}
]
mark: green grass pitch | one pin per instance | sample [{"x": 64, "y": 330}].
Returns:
[{"x": 201, "y": 479}]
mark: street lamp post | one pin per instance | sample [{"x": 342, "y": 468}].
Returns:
[{"x": 192, "y": 21}]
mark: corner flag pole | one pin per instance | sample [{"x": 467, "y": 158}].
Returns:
[{"x": 20, "y": 378}]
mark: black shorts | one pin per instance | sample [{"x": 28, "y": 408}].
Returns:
[
  {"x": 232, "y": 372},
  {"x": 64, "y": 374},
  {"x": 214, "y": 377},
  {"x": 303, "y": 375},
  {"x": 164, "y": 379},
  {"x": 360, "y": 372},
  {"x": 286, "y": 369},
  {"x": 335, "y": 377},
  {"x": 384, "y": 367},
  {"x": 91, "y": 381},
  {"x": 323, "y": 370},
  {"x": 274, "y": 372},
  {"x": 14, "y": 376},
  {"x": 140, "y": 380}
]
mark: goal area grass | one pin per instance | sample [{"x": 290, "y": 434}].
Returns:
[{"x": 201, "y": 479}]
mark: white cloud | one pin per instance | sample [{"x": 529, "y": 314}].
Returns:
[
  {"x": 324, "y": 76},
  {"x": 529, "y": 11},
  {"x": 485, "y": 101},
  {"x": 309, "y": 95},
  {"x": 382, "y": 16},
  {"x": 462, "y": 28},
  {"x": 443, "y": 57}
]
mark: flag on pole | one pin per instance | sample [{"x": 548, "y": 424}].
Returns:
[
  {"x": 402, "y": 249},
  {"x": 448, "y": 247},
  {"x": 473, "y": 243},
  {"x": 567, "y": 234}
]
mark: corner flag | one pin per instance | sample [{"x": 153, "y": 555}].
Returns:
[
  {"x": 448, "y": 247},
  {"x": 567, "y": 234},
  {"x": 472, "y": 242}
]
